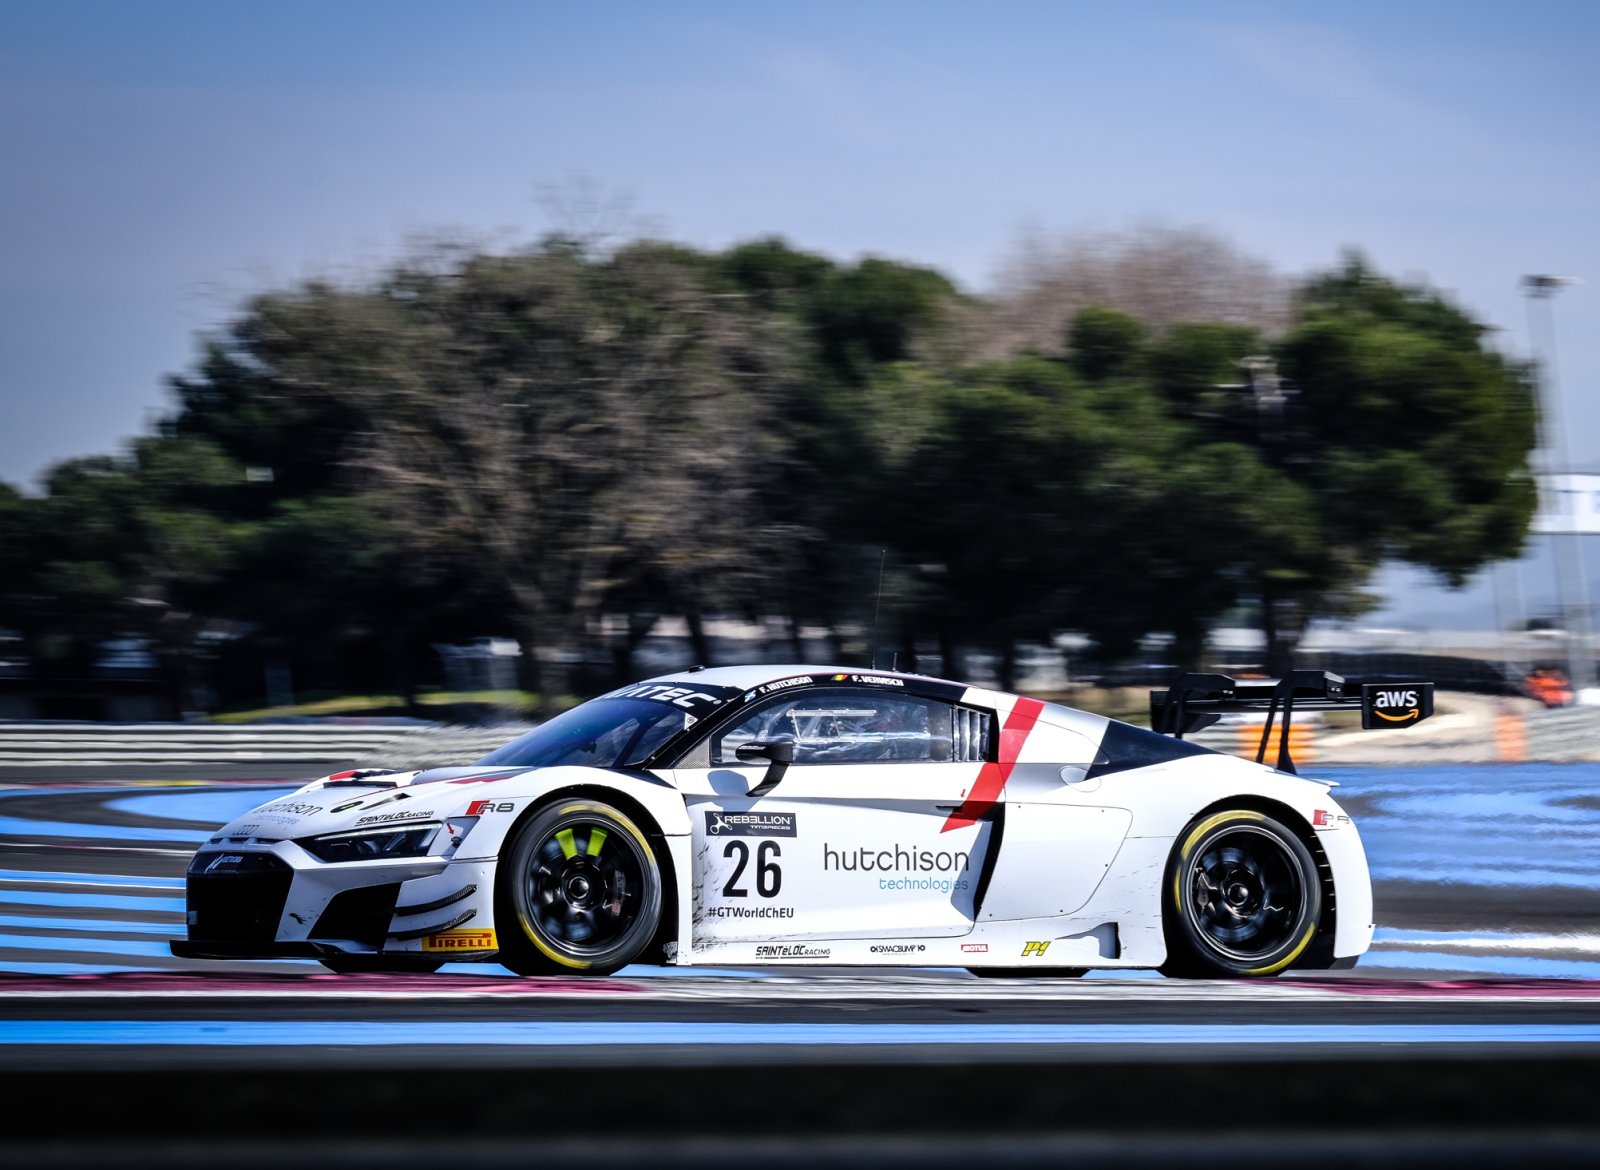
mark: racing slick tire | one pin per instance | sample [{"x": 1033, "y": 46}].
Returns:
[
  {"x": 389, "y": 964},
  {"x": 578, "y": 893},
  {"x": 1242, "y": 897}
]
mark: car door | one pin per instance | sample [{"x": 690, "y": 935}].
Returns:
[{"x": 857, "y": 840}]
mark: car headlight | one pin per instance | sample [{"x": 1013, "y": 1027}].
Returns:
[{"x": 372, "y": 844}]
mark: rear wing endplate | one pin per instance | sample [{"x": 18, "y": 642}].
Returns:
[{"x": 1199, "y": 700}]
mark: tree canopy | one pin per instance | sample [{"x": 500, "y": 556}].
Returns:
[{"x": 564, "y": 444}]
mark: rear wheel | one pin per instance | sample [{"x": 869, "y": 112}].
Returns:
[
  {"x": 1242, "y": 897},
  {"x": 579, "y": 892}
]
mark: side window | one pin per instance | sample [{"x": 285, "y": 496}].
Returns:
[
  {"x": 970, "y": 735},
  {"x": 832, "y": 726}
]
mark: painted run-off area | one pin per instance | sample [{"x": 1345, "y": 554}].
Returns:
[{"x": 1481, "y": 870}]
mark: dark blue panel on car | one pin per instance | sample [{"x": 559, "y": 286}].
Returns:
[{"x": 1125, "y": 746}]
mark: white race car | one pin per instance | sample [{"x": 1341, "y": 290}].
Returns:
[{"x": 824, "y": 816}]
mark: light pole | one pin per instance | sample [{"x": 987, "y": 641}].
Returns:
[{"x": 1570, "y": 580}]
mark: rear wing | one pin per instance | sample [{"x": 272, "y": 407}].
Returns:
[{"x": 1199, "y": 700}]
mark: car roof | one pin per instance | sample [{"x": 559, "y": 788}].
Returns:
[{"x": 746, "y": 677}]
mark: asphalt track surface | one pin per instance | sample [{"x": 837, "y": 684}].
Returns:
[{"x": 1470, "y": 1035}]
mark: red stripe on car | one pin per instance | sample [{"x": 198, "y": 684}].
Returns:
[{"x": 992, "y": 777}]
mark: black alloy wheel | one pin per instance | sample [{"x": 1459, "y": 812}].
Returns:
[
  {"x": 579, "y": 892},
  {"x": 1243, "y": 898}
]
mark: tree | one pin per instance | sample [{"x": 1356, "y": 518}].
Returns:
[
  {"x": 1409, "y": 437},
  {"x": 845, "y": 325},
  {"x": 581, "y": 427},
  {"x": 547, "y": 441},
  {"x": 125, "y": 546},
  {"x": 1032, "y": 500},
  {"x": 1160, "y": 276},
  {"x": 1103, "y": 343}
]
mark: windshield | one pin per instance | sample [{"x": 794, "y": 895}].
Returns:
[{"x": 603, "y": 733}]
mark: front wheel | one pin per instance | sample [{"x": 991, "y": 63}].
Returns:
[
  {"x": 579, "y": 892},
  {"x": 1242, "y": 898}
]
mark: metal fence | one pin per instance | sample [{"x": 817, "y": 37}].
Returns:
[{"x": 44, "y": 745}]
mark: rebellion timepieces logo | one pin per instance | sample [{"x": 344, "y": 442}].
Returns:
[{"x": 731, "y": 824}]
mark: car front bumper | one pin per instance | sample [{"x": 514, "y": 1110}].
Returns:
[{"x": 274, "y": 900}]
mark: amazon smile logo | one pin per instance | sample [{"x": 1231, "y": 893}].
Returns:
[{"x": 1406, "y": 718}]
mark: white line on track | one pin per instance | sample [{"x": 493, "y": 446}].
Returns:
[
  {"x": 688, "y": 988},
  {"x": 1519, "y": 944},
  {"x": 455, "y": 1034}
]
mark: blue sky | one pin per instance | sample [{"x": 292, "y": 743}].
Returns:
[{"x": 160, "y": 161}]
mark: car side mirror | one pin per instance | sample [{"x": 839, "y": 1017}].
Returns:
[{"x": 779, "y": 754}]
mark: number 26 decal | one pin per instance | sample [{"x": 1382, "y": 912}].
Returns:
[{"x": 769, "y": 876}]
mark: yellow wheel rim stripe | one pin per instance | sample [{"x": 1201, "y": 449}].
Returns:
[
  {"x": 569, "y": 847},
  {"x": 1184, "y": 853}
]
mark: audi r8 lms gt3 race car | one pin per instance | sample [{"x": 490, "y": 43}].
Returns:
[{"x": 804, "y": 815}]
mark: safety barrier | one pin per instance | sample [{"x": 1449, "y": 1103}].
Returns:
[
  {"x": 91, "y": 744},
  {"x": 1487, "y": 731},
  {"x": 1302, "y": 742},
  {"x": 1468, "y": 729}
]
